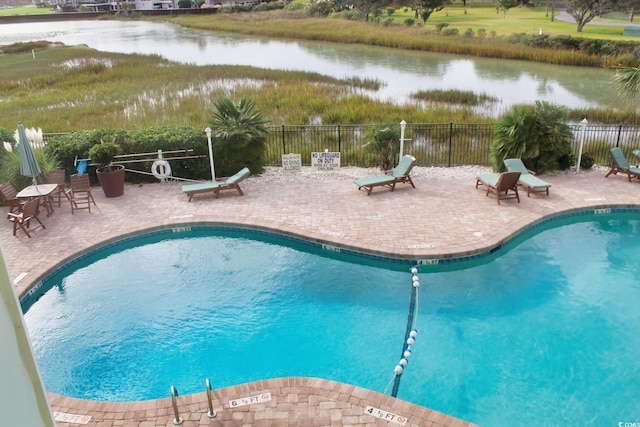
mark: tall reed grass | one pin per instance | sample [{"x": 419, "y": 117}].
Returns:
[
  {"x": 283, "y": 24},
  {"x": 76, "y": 88}
]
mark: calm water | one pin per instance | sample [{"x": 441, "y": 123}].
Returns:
[
  {"x": 546, "y": 333},
  {"x": 403, "y": 72}
]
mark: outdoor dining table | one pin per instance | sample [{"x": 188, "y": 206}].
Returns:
[{"x": 43, "y": 191}]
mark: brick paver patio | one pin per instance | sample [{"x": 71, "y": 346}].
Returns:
[{"x": 443, "y": 217}]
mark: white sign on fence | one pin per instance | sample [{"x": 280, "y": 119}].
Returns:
[
  {"x": 291, "y": 162},
  {"x": 326, "y": 161}
]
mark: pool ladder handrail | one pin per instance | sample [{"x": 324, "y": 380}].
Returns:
[
  {"x": 211, "y": 413},
  {"x": 174, "y": 393}
]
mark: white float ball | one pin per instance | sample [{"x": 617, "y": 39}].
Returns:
[{"x": 398, "y": 370}]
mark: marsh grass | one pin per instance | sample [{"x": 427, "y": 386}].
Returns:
[
  {"x": 75, "y": 88},
  {"x": 422, "y": 37},
  {"x": 453, "y": 96}
]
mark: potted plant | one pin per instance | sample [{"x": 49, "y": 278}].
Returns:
[{"x": 111, "y": 176}]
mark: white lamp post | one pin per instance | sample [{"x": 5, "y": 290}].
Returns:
[
  {"x": 403, "y": 126},
  {"x": 213, "y": 169},
  {"x": 584, "y": 128}
]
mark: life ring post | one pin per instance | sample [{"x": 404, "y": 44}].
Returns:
[{"x": 161, "y": 169}]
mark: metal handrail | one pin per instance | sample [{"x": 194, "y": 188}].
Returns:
[
  {"x": 174, "y": 393},
  {"x": 211, "y": 413}
]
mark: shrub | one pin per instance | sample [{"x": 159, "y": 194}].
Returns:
[
  {"x": 64, "y": 148},
  {"x": 441, "y": 26},
  {"x": 538, "y": 134},
  {"x": 383, "y": 141},
  {"x": 564, "y": 42},
  {"x": 240, "y": 136},
  {"x": 468, "y": 32},
  {"x": 450, "y": 32},
  {"x": 587, "y": 161},
  {"x": 267, "y": 6},
  {"x": 10, "y": 167},
  {"x": 7, "y": 136},
  {"x": 482, "y": 33},
  {"x": 321, "y": 8},
  {"x": 409, "y": 22},
  {"x": 102, "y": 154},
  {"x": 293, "y": 6}
]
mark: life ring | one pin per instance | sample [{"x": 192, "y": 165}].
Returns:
[{"x": 161, "y": 169}]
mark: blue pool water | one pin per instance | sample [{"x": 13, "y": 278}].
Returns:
[{"x": 544, "y": 332}]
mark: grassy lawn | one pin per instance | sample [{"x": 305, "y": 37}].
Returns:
[
  {"x": 517, "y": 20},
  {"x": 25, "y": 10}
]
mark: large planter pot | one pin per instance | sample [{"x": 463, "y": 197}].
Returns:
[{"x": 112, "y": 182}]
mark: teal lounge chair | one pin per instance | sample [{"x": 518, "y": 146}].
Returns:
[
  {"x": 500, "y": 184},
  {"x": 398, "y": 175},
  {"x": 528, "y": 180},
  {"x": 231, "y": 183},
  {"x": 620, "y": 164}
]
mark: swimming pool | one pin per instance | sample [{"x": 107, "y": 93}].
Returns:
[{"x": 542, "y": 332}]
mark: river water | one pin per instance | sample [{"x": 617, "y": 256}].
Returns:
[{"x": 403, "y": 72}]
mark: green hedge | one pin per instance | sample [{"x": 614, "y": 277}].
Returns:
[{"x": 67, "y": 147}]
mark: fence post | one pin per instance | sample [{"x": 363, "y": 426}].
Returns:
[
  {"x": 584, "y": 129},
  {"x": 339, "y": 141},
  {"x": 284, "y": 147},
  {"x": 619, "y": 134},
  {"x": 450, "y": 143}
]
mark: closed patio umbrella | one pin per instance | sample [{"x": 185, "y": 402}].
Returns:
[{"x": 28, "y": 164}]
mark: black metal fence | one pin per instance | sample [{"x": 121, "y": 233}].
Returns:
[{"x": 439, "y": 144}]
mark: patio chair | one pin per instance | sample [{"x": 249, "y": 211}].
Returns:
[
  {"x": 399, "y": 174},
  {"x": 79, "y": 193},
  {"x": 528, "y": 180},
  {"x": 216, "y": 187},
  {"x": 9, "y": 193},
  {"x": 57, "y": 176},
  {"x": 620, "y": 164},
  {"x": 500, "y": 184},
  {"x": 23, "y": 219}
]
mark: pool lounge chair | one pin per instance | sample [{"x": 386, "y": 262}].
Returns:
[
  {"x": 500, "y": 184},
  {"x": 399, "y": 174},
  {"x": 528, "y": 180},
  {"x": 620, "y": 164},
  {"x": 231, "y": 183}
]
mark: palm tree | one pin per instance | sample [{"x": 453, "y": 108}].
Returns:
[
  {"x": 627, "y": 82},
  {"x": 240, "y": 132}
]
